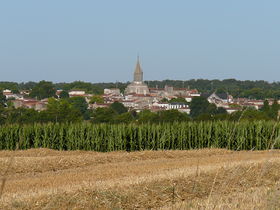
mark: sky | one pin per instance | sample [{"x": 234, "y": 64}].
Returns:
[{"x": 98, "y": 41}]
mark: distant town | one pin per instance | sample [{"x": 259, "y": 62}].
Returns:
[{"x": 138, "y": 96}]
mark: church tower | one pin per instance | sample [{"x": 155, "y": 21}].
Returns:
[
  {"x": 138, "y": 73},
  {"x": 137, "y": 86}
]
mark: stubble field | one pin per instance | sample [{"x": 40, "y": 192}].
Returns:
[{"x": 204, "y": 179}]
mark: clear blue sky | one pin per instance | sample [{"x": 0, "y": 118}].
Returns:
[{"x": 98, "y": 41}]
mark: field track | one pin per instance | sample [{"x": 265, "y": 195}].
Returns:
[{"x": 220, "y": 179}]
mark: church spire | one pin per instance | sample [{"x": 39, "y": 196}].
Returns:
[{"x": 138, "y": 73}]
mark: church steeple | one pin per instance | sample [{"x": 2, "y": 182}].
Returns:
[
  {"x": 137, "y": 86},
  {"x": 138, "y": 73}
]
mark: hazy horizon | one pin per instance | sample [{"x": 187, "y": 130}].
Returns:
[{"x": 65, "y": 41}]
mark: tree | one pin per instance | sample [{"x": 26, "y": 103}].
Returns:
[
  {"x": 3, "y": 99},
  {"x": 211, "y": 109},
  {"x": 61, "y": 111},
  {"x": 221, "y": 110},
  {"x": 2, "y": 115},
  {"x": 221, "y": 91},
  {"x": 266, "y": 107},
  {"x": 274, "y": 110},
  {"x": 123, "y": 118},
  {"x": 146, "y": 116},
  {"x": 27, "y": 85},
  {"x": 21, "y": 116},
  {"x": 248, "y": 114},
  {"x": 103, "y": 115},
  {"x": 164, "y": 100},
  {"x": 80, "y": 104},
  {"x": 43, "y": 90},
  {"x": 96, "y": 99},
  {"x": 64, "y": 94},
  {"x": 119, "y": 108},
  {"x": 205, "y": 117},
  {"x": 199, "y": 105},
  {"x": 178, "y": 100},
  {"x": 172, "y": 116},
  {"x": 13, "y": 86}
]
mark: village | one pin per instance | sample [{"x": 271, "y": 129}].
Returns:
[{"x": 138, "y": 96}]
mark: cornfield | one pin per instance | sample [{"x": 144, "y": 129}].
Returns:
[{"x": 257, "y": 135}]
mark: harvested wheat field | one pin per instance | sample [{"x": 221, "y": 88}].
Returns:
[{"x": 204, "y": 179}]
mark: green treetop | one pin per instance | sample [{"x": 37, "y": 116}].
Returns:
[{"x": 43, "y": 90}]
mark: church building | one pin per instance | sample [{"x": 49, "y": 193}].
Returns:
[{"x": 137, "y": 86}]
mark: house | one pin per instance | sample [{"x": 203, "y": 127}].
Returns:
[
  {"x": 189, "y": 98},
  {"x": 130, "y": 104},
  {"x": 218, "y": 98},
  {"x": 163, "y": 105},
  {"x": 58, "y": 92},
  {"x": 157, "y": 109},
  {"x": 30, "y": 104},
  {"x": 25, "y": 92},
  {"x": 177, "y": 105},
  {"x": 230, "y": 110},
  {"x": 98, "y": 105},
  {"x": 185, "y": 110},
  {"x": 73, "y": 93},
  {"x": 112, "y": 91},
  {"x": 10, "y": 95}
]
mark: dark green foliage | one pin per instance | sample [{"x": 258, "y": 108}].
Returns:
[
  {"x": 201, "y": 109},
  {"x": 58, "y": 111},
  {"x": 164, "y": 100},
  {"x": 13, "y": 86},
  {"x": 266, "y": 107},
  {"x": 248, "y": 89},
  {"x": 178, "y": 100},
  {"x": 210, "y": 109},
  {"x": 274, "y": 110},
  {"x": 199, "y": 106},
  {"x": 221, "y": 110},
  {"x": 126, "y": 117},
  {"x": 119, "y": 108},
  {"x": 89, "y": 87},
  {"x": 270, "y": 111},
  {"x": 2, "y": 115},
  {"x": 221, "y": 91},
  {"x": 43, "y": 89},
  {"x": 2, "y": 99},
  {"x": 61, "y": 111},
  {"x": 172, "y": 116},
  {"x": 103, "y": 115},
  {"x": 257, "y": 135},
  {"x": 27, "y": 86},
  {"x": 21, "y": 116},
  {"x": 96, "y": 99},
  {"x": 248, "y": 114},
  {"x": 64, "y": 94},
  {"x": 109, "y": 115},
  {"x": 80, "y": 104},
  {"x": 147, "y": 116}
]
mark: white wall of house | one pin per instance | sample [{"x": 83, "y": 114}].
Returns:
[{"x": 77, "y": 92}]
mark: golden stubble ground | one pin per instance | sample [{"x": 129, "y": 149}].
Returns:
[{"x": 198, "y": 179}]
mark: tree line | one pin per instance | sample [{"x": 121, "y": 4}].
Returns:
[
  {"x": 75, "y": 109},
  {"x": 247, "y": 89}
]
